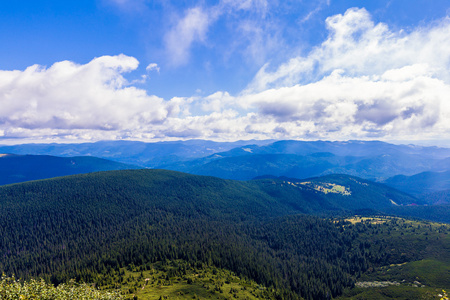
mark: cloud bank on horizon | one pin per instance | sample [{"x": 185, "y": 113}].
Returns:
[{"x": 363, "y": 80}]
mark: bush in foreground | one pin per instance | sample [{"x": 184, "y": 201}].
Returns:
[{"x": 12, "y": 289}]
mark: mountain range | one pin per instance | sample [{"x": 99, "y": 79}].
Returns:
[
  {"x": 373, "y": 160},
  {"x": 131, "y": 152},
  {"x": 280, "y": 218},
  {"x": 295, "y": 238},
  {"x": 416, "y": 170},
  {"x": 18, "y": 168}
]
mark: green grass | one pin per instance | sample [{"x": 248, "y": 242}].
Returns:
[
  {"x": 204, "y": 282},
  {"x": 420, "y": 276},
  {"x": 428, "y": 272},
  {"x": 431, "y": 272},
  {"x": 392, "y": 292},
  {"x": 188, "y": 282},
  {"x": 326, "y": 188},
  {"x": 424, "y": 278}
]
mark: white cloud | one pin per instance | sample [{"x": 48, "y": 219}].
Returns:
[
  {"x": 359, "y": 47},
  {"x": 256, "y": 39},
  {"x": 254, "y": 34},
  {"x": 319, "y": 6},
  {"x": 364, "y": 81},
  {"x": 152, "y": 66},
  {"x": 68, "y": 97},
  {"x": 217, "y": 102},
  {"x": 360, "y": 107},
  {"x": 188, "y": 30}
]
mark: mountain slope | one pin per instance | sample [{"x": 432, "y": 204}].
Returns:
[
  {"x": 84, "y": 225},
  {"x": 131, "y": 152},
  {"x": 250, "y": 166},
  {"x": 368, "y": 159},
  {"x": 20, "y": 168},
  {"x": 363, "y": 193},
  {"x": 422, "y": 183},
  {"x": 371, "y": 160},
  {"x": 212, "y": 196},
  {"x": 91, "y": 226},
  {"x": 354, "y": 148},
  {"x": 437, "y": 198},
  {"x": 344, "y": 148}
]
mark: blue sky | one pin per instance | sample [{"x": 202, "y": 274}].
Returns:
[{"x": 224, "y": 70}]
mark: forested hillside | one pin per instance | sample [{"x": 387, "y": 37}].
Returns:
[{"x": 88, "y": 227}]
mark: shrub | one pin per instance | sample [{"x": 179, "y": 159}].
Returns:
[{"x": 13, "y": 289}]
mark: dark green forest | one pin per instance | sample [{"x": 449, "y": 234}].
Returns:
[{"x": 289, "y": 237}]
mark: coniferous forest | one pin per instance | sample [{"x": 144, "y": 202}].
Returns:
[
  {"x": 224, "y": 149},
  {"x": 292, "y": 240}
]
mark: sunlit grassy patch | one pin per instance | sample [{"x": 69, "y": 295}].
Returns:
[
  {"x": 371, "y": 220},
  {"x": 328, "y": 188},
  {"x": 179, "y": 280}
]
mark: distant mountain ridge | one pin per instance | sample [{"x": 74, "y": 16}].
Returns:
[
  {"x": 422, "y": 183},
  {"x": 131, "y": 152},
  {"x": 19, "y": 168},
  {"x": 244, "y": 160},
  {"x": 372, "y": 160},
  {"x": 437, "y": 198},
  {"x": 159, "y": 153}
]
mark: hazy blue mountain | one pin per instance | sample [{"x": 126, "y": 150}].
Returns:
[
  {"x": 371, "y": 160},
  {"x": 247, "y": 159},
  {"x": 437, "y": 198},
  {"x": 422, "y": 183},
  {"x": 349, "y": 148},
  {"x": 131, "y": 152},
  {"x": 441, "y": 165},
  {"x": 20, "y": 168},
  {"x": 381, "y": 166},
  {"x": 246, "y": 167}
]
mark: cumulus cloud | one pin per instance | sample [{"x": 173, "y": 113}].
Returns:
[
  {"x": 70, "y": 97},
  {"x": 364, "y": 81},
  {"x": 358, "y": 46},
  {"x": 360, "y": 106}
]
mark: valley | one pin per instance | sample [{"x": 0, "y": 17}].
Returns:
[
  {"x": 195, "y": 236},
  {"x": 276, "y": 220},
  {"x": 416, "y": 170},
  {"x": 226, "y": 149}
]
